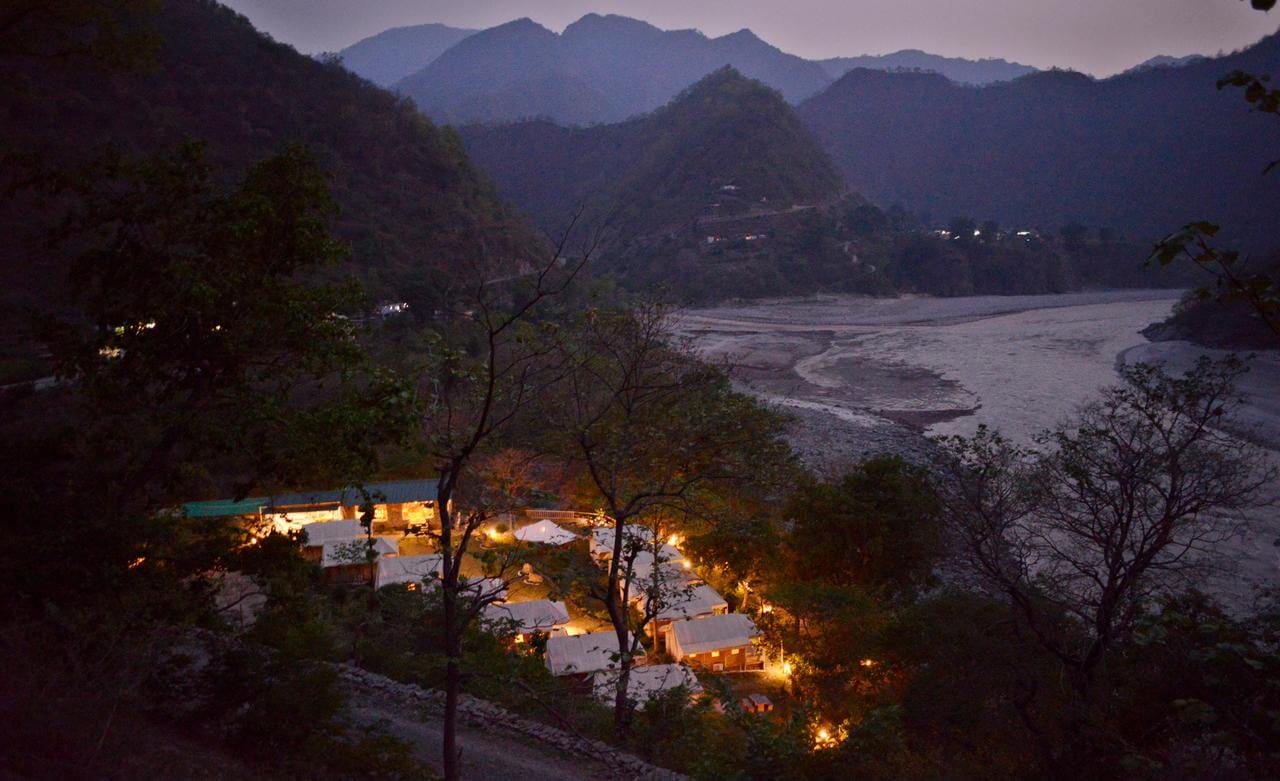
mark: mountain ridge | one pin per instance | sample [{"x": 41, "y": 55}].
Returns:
[
  {"x": 392, "y": 54},
  {"x": 1054, "y": 147}
]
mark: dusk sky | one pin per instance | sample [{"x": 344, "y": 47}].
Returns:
[{"x": 1096, "y": 36}]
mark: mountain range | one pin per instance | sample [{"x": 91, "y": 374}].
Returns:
[
  {"x": 1132, "y": 152},
  {"x": 603, "y": 47},
  {"x": 600, "y": 69}
]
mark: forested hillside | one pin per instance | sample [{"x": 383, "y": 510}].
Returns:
[
  {"x": 957, "y": 69},
  {"x": 412, "y": 205},
  {"x": 723, "y": 194},
  {"x": 727, "y": 145},
  {"x": 1055, "y": 147}
]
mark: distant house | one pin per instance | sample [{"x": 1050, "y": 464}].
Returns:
[
  {"x": 527, "y": 618},
  {"x": 756, "y": 703},
  {"x": 721, "y": 643},
  {"x": 730, "y": 188},
  {"x": 386, "y": 309},
  {"x": 645, "y": 682},
  {"x": 582, "y": 654},
  {"x": 396, "y": 506}
]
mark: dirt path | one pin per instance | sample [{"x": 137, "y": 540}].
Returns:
[{"x": 485, "y": 755}]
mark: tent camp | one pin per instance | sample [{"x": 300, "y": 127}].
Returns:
[
  {"x": 582, "y": 654},
  {"x": 537, "y": 615},
  {"x": 645, "y": 683},
  {"x": 545, "y": 532},
  {"x": 723, "y": 643}
]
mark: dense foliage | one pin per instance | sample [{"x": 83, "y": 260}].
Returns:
[{"x": 412, "y": 206}]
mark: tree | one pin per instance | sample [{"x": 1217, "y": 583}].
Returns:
[
  {"x": 105, "y": 31},
  {"x": 1074, "y": 235},
  {"x": 1232, "y": 280},
  {"x": 962, "y": 228},
  {"x": 198, "y": 351},
  {"x": 877, "y": 528},
  {"x": 473, "y": 398},
  {"x": 990, "y": 232},
  {"x": 1127, "y": 501},
  {"x": 662, "y": 438}
]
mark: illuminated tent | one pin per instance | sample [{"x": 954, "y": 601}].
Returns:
[{"x": 545, "y": 532}]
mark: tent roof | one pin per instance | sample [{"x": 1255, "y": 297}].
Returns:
[
  {"x": 645, "y": 682},
  {"x": 408, "y": 569},
  {"x": 536, "y": 615},
  {"x": 351, "y": 550},
  {"x": 320, "y": 532},
  {"x": 570, "y": 654},
  {"x": 602, "y": 538},
  {"x": 545, "y": 532},
  {"x": 713, "y": 633},
  {"x": 392, "y": 492},
  {"x": 697, "y": 600}
]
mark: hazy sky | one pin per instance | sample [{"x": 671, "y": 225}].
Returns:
[{"x": 1096, "y": 36}]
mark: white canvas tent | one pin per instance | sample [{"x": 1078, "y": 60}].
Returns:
[
  {"x": 317, "y": 534},
  {"x": 545, "y": 532},
  {"x": 536, "y": 615},
  {"x": 579, "y": 654},
  {"x": 602, "y": 540},
  {"x": 646, "y": 682},
  {"x": 347, "y": 551},
  {"x": 680, "y": 601},
  {"x": 714, "y": 633},
  {"x": 409, "y": 569}
]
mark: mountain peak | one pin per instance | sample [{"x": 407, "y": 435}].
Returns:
[
  {"x": 745, "y": 35},
  {"x": 612, "y": 23}
]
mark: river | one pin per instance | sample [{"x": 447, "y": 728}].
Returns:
[{"x": 868, "y": 375}]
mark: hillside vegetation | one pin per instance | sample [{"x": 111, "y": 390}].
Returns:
[
  {"x": 957, "y": 69},
  {"x": 726, "y": 145},
  {"x": 1129, "y": 152},
  {"x": 411, "y": 204},
  {"x": 723, "y": 193}
]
